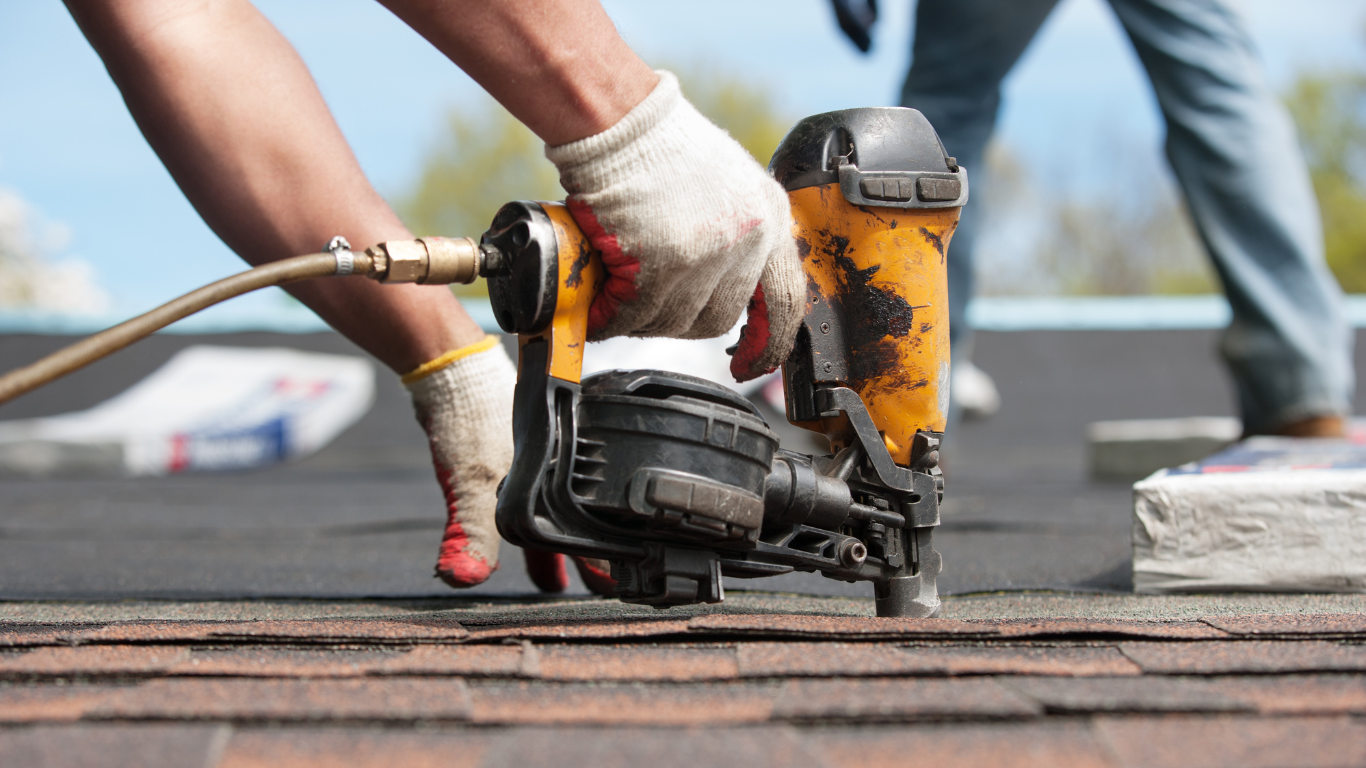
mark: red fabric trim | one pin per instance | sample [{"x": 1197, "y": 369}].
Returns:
[
  {"x": 754, "y": 338},
  {"x": 454, "y": 565}
]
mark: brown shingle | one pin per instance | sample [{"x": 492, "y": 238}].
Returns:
[
  {"x": 1244, "y": 656},
  {"x": 899, "y": 699},
  {"x": 1297, "y": 694},
  {"x": 146, "y": 745},
  {"x": 621, "y": 703},
  {"x": 283, "y": 662},
  {"x": 332, "y": 630},
  {"x": 92, "y": 660},
  {"x": 633, "y": 662},
  {"x": 394, "y": 698},
  {"x": 22, "y": 703},
  {"x": 148, "y": 632},
  {"x": 767, "y": 659},
  {"x": 353, "y": 747},
  {"x": 1268, "y": 694},
  {"x": 1234, "y": 741},
  {"x": 1034, "y": 745},
  {"x": 21, "y": 636},
  {"x": 1127, "y": 694},
  {"x": 1292, "y": 624},
  {"x": 587, "y": 630},
  {"x": 834, "y": 659},
  {"x": 636, "y": 747},
  {"x": 1173, "y": 630},
  {"x": 796, "y": 625},
  {"x": 472, "y": 660}
]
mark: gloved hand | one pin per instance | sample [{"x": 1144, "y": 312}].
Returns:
[
  {"x": 690, "y": 228},
  {"x": 463, "y": 400}
]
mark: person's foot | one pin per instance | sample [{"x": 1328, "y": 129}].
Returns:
[
  {"x": 1314, "y": 426},
  {"x": 973, "y": 391},
  {"x": 547, "y": 571}
]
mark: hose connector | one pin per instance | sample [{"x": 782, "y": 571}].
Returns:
[{"x": 426, "y": 260}]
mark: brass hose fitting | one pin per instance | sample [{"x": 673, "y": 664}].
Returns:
[{"x": 427, "y": 260}]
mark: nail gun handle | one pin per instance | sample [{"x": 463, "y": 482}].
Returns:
[
  {"x": 546, "y": 282},
  {"x": 875, "y": 201}
]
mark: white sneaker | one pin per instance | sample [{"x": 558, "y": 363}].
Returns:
[{"x": 973, "y": 391}]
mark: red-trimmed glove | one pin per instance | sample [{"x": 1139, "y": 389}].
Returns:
[
  {"x": 463, "y": 401},
  {"x": 691, "y": 231}
]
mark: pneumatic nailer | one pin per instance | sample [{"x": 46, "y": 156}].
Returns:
[{"x": 678, "y": 481}]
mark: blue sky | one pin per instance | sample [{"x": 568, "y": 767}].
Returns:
[{"x": 68, "y": 146}]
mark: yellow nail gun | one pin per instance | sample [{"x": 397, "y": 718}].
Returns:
[{"x": 678, "y": 481}]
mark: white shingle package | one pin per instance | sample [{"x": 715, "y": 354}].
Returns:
[{"x": 1269, "y": 514}]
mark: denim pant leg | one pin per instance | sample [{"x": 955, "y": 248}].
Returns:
[
  {"x": 1234, "y": 152},
  {"x": 960, "y": 52}
]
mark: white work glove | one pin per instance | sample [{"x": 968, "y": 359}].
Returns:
[
  {"x": 463, "y": 401},
  {"x": 691, "y": 229}
]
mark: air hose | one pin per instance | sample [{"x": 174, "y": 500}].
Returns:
[{"x": 427, "y": 260}]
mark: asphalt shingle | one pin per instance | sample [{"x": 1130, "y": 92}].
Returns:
[
  {"x": 890, "y": 699},
  {"x": 1246, "y": 656},
  {"x": 1234, "y": 741},
  {"x": 621, "y": 703},
  {"x": 1023, "y": 745},
  {"x": 1128, "y": 694},
  {"x": 290, "y": 700},
  {"x": 763, "y": 659}
]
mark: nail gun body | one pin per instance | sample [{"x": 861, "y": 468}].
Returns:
[{"x": 678, "y": 481}]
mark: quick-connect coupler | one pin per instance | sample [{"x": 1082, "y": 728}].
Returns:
[{"x": 431, "y": 261}]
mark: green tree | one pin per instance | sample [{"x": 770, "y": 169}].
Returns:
[
  {"x": 1131, "y": 236},
  {"x": 1330, "y": 112},
  {"x": 1110, "y": 247},
  {"x": 485, "y": 157},
  {"x": 745, "y": 110}
]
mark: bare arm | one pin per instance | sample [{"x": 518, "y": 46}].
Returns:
[
  {"x": 233, "y": 113},
  {"x": 559, "y": 66}
]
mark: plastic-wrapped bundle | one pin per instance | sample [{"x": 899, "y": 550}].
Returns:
[{"x": 1270, "y": 514}]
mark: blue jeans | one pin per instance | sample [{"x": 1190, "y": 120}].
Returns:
[{"x": 1234, "y": 153}]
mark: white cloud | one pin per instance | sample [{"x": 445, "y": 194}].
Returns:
[{"x": 30, "y": 278}]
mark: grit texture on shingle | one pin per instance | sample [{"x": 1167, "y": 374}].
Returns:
[{"x": 515, "y": 684}]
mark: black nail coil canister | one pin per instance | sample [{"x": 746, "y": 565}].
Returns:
[{"x": 672, "y": 453}]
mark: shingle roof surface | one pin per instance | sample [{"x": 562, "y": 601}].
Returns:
[{"x": 565, "y": 683}]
